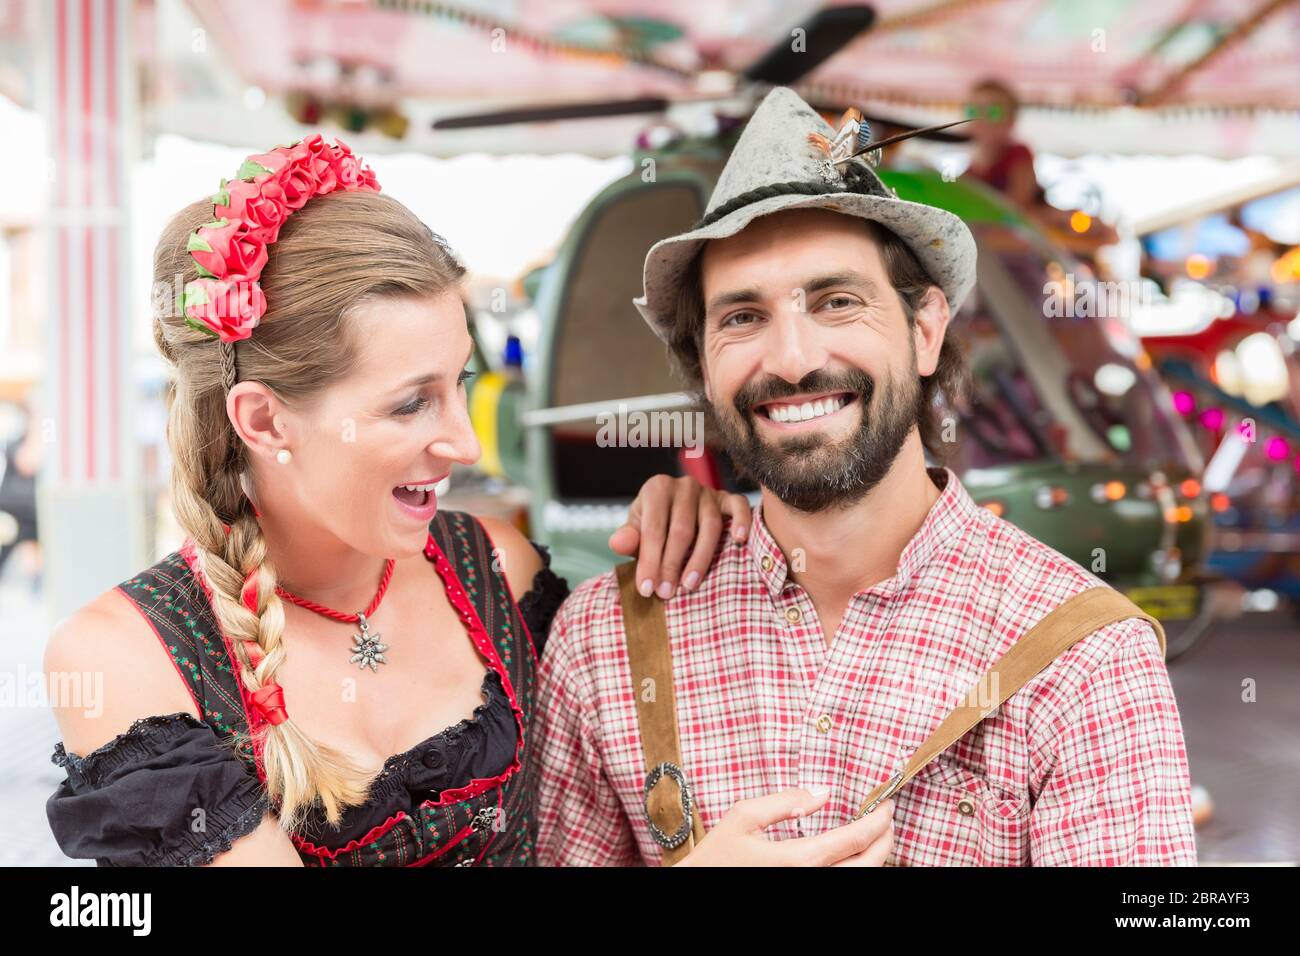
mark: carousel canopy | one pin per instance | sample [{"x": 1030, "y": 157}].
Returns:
[
  {"x": 1219, "y": 77},
  {"x": 1216, "y": 77}
]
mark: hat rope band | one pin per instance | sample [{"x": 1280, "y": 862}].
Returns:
[{"x": 865, "y": 186}]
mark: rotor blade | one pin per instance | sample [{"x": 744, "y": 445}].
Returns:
[
  {"x": 557, "y": 111},
  {"x": 830, "y": 30}
]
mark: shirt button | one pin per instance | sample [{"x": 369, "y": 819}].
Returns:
[
  {"x": 766, "y": 562},
  {"x": 433, "y": 759},
  {"x": 824, "y": 723},
  {"x": 793, "y": 615},
  {"x": 966, "y": 807}
]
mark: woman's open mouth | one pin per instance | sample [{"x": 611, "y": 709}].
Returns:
[
  {"x": 803, "y": 410},
  {"x": 417, "y": 500}
]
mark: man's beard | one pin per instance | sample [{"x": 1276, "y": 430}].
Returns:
[{"x": 812, "y": 472}]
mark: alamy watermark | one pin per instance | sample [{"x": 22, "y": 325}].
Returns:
[{"x": 627, "y": 428}]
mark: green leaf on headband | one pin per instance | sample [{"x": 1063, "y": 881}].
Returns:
[
  {"x": 204, "y": 273},
  {"x": 194, "y": 324},
  {"x": 221, "y": 198},
  {"x": 251, "y": 170},
  {"x": 193, "y": 294},
  {"x": 215, "y": 224},
  {"x": 197, "y": 243}
]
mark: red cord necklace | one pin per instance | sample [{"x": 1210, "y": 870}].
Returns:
[{"x": 367, "y": 649}]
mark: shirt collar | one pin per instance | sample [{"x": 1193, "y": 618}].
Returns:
[{"x": 950, "y": 513}]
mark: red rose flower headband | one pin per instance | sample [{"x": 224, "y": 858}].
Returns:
[{"x": 230, "y": 252}]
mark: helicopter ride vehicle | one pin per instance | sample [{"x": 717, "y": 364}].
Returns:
[{"x": 1068, "y": 431}]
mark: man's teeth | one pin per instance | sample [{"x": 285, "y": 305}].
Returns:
[
  {"x": 429, "y": 487},
  {"x": 806, "y": 411}
]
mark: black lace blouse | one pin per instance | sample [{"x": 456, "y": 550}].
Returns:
[{"x": 170, "y": 792}]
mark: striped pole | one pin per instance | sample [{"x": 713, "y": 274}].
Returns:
[{"x": 88, "y": 132}]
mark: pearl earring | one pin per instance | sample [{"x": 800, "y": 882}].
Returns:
[{"x": 283, "y": 456}]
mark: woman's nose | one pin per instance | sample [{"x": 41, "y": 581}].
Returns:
[{"x": 458, "y": 442}]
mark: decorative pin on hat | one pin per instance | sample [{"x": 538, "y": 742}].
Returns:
[{"x": 789, "y": 157}]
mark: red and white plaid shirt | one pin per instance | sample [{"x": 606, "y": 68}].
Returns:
[{"x": 1085, "y": 765}]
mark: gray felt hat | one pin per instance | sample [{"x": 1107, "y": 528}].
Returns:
[{"x": 774, "y": 167}]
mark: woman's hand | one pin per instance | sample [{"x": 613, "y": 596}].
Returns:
[
  {"x": 671, "y": 519},
  {"x": 739, "y": 840}
]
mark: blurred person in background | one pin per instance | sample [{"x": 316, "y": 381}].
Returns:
[
  {"x": 1007, "y": 165},
  {"x": 21, "y": 462}
]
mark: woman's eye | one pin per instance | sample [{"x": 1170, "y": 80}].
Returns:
[
  {"x": 410, "y": 408},
  {"x": 465, "y": 376}
]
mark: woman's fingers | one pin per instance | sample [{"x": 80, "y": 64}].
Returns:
[
  {"x": 683, "y": 529},
  {"x": 737, "y": 506},
  {"x": 627, "y": 538},
  {"x": 649, "y": 516},
  {"x": 706, "y": 541}
]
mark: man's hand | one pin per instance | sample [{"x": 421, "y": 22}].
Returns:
[
  {"x": 739, "y": 840},
  {"x": 670, "y": 519}
]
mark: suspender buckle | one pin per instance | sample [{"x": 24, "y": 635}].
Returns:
[{"x": 676, "y": 839}]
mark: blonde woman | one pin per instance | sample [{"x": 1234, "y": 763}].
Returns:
[{"x": 330, "y": 671}]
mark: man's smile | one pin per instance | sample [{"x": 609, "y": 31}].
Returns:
[{"x": 805, "y": 412}]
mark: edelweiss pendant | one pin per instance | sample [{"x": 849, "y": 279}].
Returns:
[{"x": 367, "y": 649}]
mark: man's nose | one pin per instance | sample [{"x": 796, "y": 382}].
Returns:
[{"x": 794, "y": 348}]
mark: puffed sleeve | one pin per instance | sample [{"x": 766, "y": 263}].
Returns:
[
  {"x": 540, "y": 602},
  {"x": 167, "y": 792}
]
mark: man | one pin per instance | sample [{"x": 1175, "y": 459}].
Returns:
[{"x": 811, "y": 307}]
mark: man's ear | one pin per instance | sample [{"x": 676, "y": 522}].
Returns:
[
  {"x": 931, "y": 325},
  {"x": 258, "y": 417}
]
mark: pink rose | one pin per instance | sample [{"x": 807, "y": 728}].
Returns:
[
  {"x": 228, "y": 308},
  {"x": 226, "y": 248},
  {"x": 260, "y": 204},
  {"x": 326, "y": 180},
  {"x": 299, "y": 182},
  {"x": 348, "y": 171}
]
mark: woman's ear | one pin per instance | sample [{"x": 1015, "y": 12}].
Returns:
[
  {"x": 258, "y": 417},
  {"x": 931, "y": 324}
]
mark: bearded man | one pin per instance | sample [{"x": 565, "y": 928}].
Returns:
[{"x": 811, "y": 307}]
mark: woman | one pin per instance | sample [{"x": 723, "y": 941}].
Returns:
[{"x": 305, "y": 450}]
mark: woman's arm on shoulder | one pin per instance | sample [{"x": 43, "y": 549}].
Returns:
[
  {"x": 514, "y": 553},
  {"x": 111, "y": 653}
]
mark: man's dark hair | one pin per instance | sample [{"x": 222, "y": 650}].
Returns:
[{"x": 910, "y": 282}]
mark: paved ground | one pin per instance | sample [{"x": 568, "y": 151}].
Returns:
[{"x": 1246, "y": 754}]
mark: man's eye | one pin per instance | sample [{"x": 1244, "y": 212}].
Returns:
[
  {"x": 410, "y": 408},
  {"x": 840, "y": 302},
  {"x": 738, "y": 318}
]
